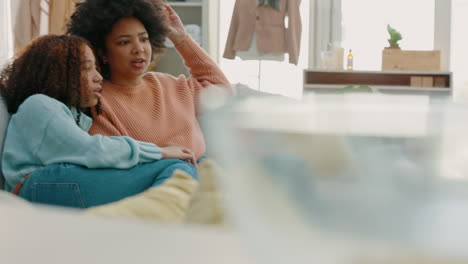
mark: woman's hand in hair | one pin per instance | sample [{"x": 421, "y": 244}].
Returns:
[
  {"x": 177, "y": 33},
  {"x": 178, "y": 152}
]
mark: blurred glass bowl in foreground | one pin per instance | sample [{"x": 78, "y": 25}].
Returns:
[{"x": 354, "y": 178}]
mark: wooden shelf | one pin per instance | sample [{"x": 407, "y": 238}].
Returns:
[
  {"x": 377, "y": 87},
  {"x": 434, "y": 81}
]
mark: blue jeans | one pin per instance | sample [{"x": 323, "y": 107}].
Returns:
[{"x": 80, "y": 187}]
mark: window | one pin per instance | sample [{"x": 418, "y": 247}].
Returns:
[
  {"x": 459, "y": 58},
  {"x": 365, "y": 22},
  {"x": 267, "y": 76}
]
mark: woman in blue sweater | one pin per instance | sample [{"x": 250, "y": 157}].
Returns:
[{"x": 48, "y": 156}]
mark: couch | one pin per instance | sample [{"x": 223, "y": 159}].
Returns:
[
  {"x": 243, "y": 92},
  {"x": 4, "y": 118}
]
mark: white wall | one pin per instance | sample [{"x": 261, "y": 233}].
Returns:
[{"x": 8, "y": 11}]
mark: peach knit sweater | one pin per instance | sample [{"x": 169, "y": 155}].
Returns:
[{"x": 162, "y": 109}]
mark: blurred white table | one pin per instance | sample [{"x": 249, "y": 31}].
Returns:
[{"x": 42, "y": 235}]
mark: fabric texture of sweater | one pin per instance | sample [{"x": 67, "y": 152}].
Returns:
[
  {"x": 43, "y": 131},
  {"x": 162, "y": 109},
  {"x": 268, "y": 24}
]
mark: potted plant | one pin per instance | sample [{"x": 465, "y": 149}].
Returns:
[
  {"x": 395, "y": 36},
  {"x": 393, "y": 58}
]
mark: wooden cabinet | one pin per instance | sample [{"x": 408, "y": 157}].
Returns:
[
  {"x": 203, "y": 13},
  {"x": 383, "y": 81}
]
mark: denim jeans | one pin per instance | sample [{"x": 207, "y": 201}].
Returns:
[{"x": 80, "y": 187}]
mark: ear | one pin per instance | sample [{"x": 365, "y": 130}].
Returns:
[{"x": 103, "y": 56}]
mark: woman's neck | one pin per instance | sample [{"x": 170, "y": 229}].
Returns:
[{"x": 126, "y": 82}]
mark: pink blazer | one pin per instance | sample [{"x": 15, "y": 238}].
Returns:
[{"x": 269, "y": 27}]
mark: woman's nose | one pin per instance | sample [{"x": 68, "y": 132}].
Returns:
[
  {"x": 138, "y": 48},
  {"x": 98, "y": 78}
]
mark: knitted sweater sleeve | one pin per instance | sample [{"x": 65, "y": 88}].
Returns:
[
  {"x": 62, "y": 141},
  {"x": 103, "y": 123},
  {"x": 203, "y": 70}
]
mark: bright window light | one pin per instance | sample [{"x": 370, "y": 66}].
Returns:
[
  {"x": 459, "y": 54},
  {"x": 365, "y": 28},
  {"x": 5, "y": 31},
  {"x": 267, "y": 76}
]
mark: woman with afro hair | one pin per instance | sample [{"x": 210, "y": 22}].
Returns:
[
  {"x": 48, "y": 156},
  {"x": 148, "y": 106}
]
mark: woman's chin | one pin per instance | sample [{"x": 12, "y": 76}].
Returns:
[
  {"x": 92, "y": 102},
  {"x": 138, "y": 70}
]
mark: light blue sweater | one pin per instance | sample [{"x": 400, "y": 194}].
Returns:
[{"x": 43, "y": 131}]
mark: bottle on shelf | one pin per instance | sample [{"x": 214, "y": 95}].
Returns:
[{"x": 350, "y": 64}]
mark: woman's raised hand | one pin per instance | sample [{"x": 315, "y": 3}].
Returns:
[
  {"x": 178, "y": 152},
  {"x": 176, "y": 28}
]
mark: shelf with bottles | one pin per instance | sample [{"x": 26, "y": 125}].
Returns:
[
  {"x": 383, "y": 81},
  {"x": 191, "y": 14},
  {"x": 201, "y": 21}
]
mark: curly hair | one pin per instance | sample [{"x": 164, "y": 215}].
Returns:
[
  {"x": 94, "y": 19},
  {"x": 49, "y": 65}
]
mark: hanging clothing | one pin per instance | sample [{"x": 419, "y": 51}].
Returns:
[
  {"x": 59, "y": 13},
  {"x": 27, "y": 23},
  {"x": 254, "y": 54},
  {"x": 268, "y": 24}
]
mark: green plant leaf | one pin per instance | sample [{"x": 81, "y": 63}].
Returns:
[
  {"x": 356, "y": 89},
  {"x": 395, "y": 36}
]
